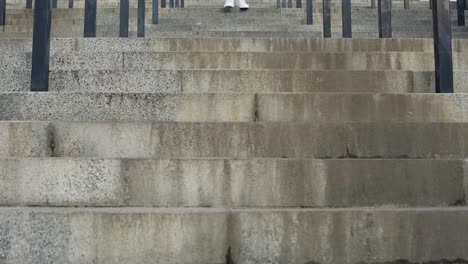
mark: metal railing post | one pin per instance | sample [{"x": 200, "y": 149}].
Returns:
[
  {"x": 385, "y": 18},
  {"x": 171, "y": 3},
  {"x": 182, "y": 3},
  {"x": 41, "y": 46},
  {"x": 163, "y": 3},
  {"x": 124, "y": 9},
  {"x": 283, "y": 4},
  {"x": 346, "y": 14},
  {"x": 29, "y": 3},
  {"x": 442, "y": 46},
  {"x": 289, "y": 3},
  {"x": 70, "y": 3},
  {"x": 372, "y": 4},
  {"x": 55, "y": 4},
  {"x": 141, "y": 19},
  {"x": 461, "y": 12},
  {"x": 90, "y": 18},
  {"x": 2, "y": 12},
  {"x": 326, "y": 19},
  {"x": 310, "y": 12},
  {"x": 177, "y": 5},
  {"x": 155, "y": 16},
  {"x": 298, "y": 3},
  {"x": 406, "y": 4}
]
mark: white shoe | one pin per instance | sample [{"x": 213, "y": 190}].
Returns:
[
  {"x": 243, "y": 5},
  {"x": 228, "y": 3}
]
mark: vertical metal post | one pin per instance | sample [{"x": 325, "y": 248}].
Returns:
[
  {"x": 177, "y": 5},
  {"x": 141, "y": 19},
  {"x": 372, "y": 4},
  {"x": 289, "y": 3},
  {"x": 124, "y": 6},
  {"x": 385, "y": 18},
  {"x": 163, "y": 3},
  {"x": 326, "y": 19},
  {"x": 182, "y": 3},
  {"x": 298, "y": 3},
  {"x": 2, "y": 12},
  {"x": 155, "y": 16},
  {"x": 406, "y": 4},
  {"x": 430, "y": 4},
  {"x": 70, "y": 3},
  {"x": 41, "y": 46},
  {"x": 171, "y": 3},
  {"x": 442, "y": 46},
  {"x": 29, "y": 3},
  {"x": 55, "y": 4},
  {"x": 283, "y": 4},
  {"x": 90, "y": 18},
  {"x": 278, "y": 3},
  {"x": 461, "y": 12},
  {"x": 310, "y": 12},
  {"x": 346, "y": 14}
]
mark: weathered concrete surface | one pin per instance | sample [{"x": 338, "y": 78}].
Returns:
[
  {"x": 229, "y": 45},
  {"x": 235, "y": 107},
  {"x": 233, "y": 140},
  {"x": 350, "y": 236},
  {"x": 360, "y": 235},
  {"x": 419, "y": 61},
  {"x": 232, "y": 81},
  {"x": 230, "y": 183},
  {"x": 112, "y": 236},
  {"x": 125, "y": 106}
]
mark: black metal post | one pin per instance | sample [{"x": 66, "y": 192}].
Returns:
[
  {"x": 177, "y": 5},
  {"x": 278, "y": 3},
  {"x": 55, "y": 3},
  {"x": 442, "y": 46},
  {"x": 171, "y": 3},
  {"x": 372, "y": 4},
  {"x": 155, "y": 12},
  {"x": 289, "y": 3},
  {"x": 346, "y": 14},
  {"x": 461, "y": 12},
  {"x": 2, "y": 12},
  {"x": 283, "y": 4},
  {"x": 310, "y": 12},
  {"x": 70, "y": 3},
  {"x": 29, "y": 3},
  {"x": 406, "y": 4},
  {"x": 326, "y": 19},
  {"x": 163, "y": 3},
  {"x": 385, "y": 18},
  {"x": 124, "y": 6},
  {"x": 141, "y": 19},
  {"x": 430, "y": 4},
  {"x": 182, "y": 3},
  {"x": 41, "y": 46},
  {"x": 298, "y": 3},
  {"x": 90, "y": 18}
]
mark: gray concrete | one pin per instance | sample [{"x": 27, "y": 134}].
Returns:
[
  {"x": 235, "y": 107},
  {"x": 261, "y": 236},
  {"x": 415, "y": 61},
  {"x": 233, "y": 140},
  {"x": 225, "y": 183}
]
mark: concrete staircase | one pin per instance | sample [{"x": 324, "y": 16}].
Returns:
[{"x": 225, "y": 149}]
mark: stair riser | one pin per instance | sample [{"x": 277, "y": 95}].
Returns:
[
  {"x": 233, "y": 140},
  {"x": 114, "y": 236},
  {"x": 231, "y": 183}
]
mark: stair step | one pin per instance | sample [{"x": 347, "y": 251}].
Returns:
[
  {"x": 233, "y": 140},
  {"x": 234, "y": 107},
  {"x": 112, "y": 235},
  {"x": 230, "y": 183}
]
